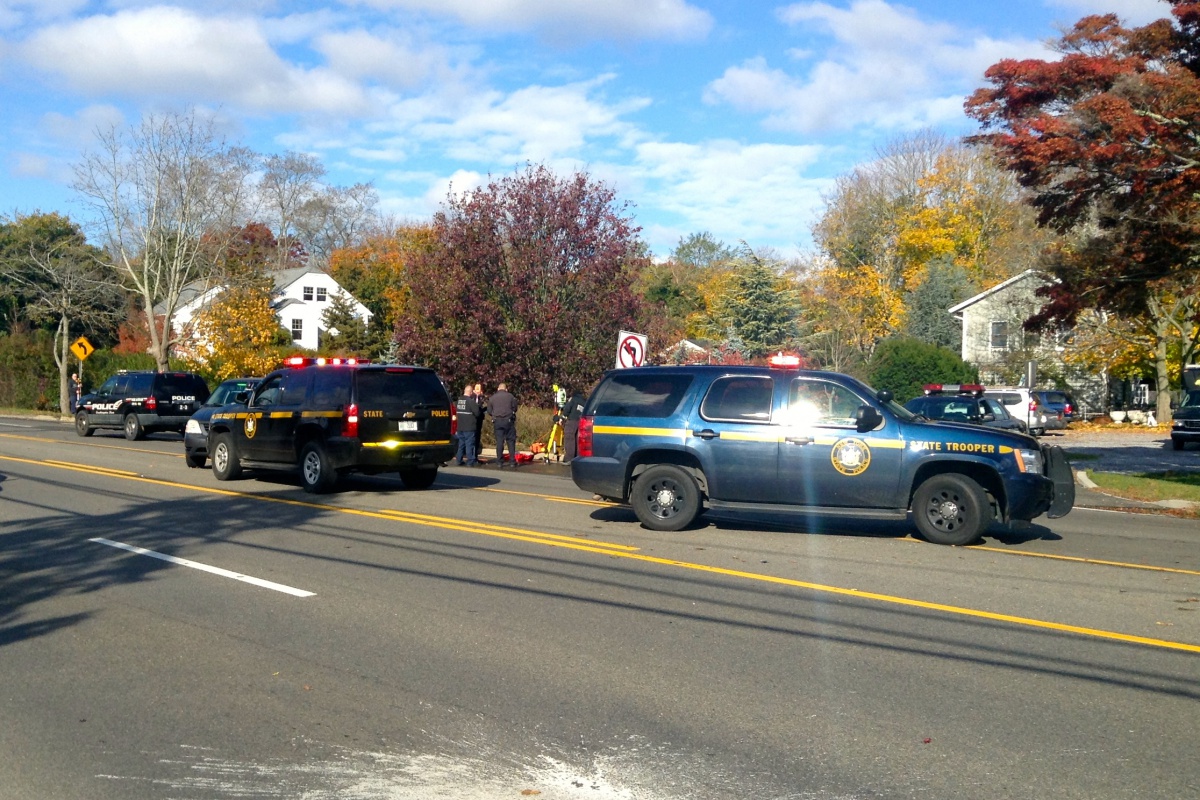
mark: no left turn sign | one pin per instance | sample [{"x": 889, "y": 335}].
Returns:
[{"x": 631, "y": 350}]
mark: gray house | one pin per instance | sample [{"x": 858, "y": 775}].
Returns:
[{"x": 994, "y": 340}]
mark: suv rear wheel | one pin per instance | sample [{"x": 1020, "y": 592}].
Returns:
[
  {"x": 133, "y": 428},
  {"x": 951, "y": 509},
  {"x": 317, "y": 474},
  {"x": 418, "y": 478},
  {"x": 82, "y": 427},
  {"x": 666, "y": 498}
]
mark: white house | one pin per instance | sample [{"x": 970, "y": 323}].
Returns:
[
  {"x": 302, "y": 296},
  {"x": 995, "y": 341}
]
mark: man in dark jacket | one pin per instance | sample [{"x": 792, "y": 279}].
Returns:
[
  {"x": 572, "y": 412},
  {"x": 503, "y": 408},
  {"x": 467, "y": 411}
]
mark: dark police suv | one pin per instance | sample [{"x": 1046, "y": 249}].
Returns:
[
  {"x": 141, "y": 402},
  {"x": 333, "y": 416},
  {"x": 667, "y": 439},
  {"x": 195, "y": 433}
]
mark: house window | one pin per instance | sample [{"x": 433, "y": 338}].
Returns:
[
  {"x": 297, "y": 329},
  {"x": 321, "y": 298},
  {"x": 308, "y": 292},
  {"x": 999, "y": 336}
]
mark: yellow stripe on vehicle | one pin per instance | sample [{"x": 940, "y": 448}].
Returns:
[{"x": 674, "y": 433}]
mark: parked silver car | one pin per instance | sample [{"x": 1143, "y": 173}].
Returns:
[{"x": 1023, "y": 404}]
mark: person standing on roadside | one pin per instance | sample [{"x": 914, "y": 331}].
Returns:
[
  {"x": 467, "y": 411},
  {"x": 481, "y": 401},
  {"x": 572, "y": 412},
  {"x": 503, "y": 408},
  {"x": 76, "y": 391}
]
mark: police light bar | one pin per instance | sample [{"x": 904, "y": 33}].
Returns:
[
  {"x": 954, "y": 388},
  {"x": 308, "y": 361},
  {"x": 780, "y": 361}
]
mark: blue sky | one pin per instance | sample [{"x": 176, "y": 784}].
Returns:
[{"x": 723, "y": 116}]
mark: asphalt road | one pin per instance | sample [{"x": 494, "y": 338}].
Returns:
[{"x": 502, "y": 635}]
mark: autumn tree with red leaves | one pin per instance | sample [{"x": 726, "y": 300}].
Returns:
[
  {"x": 1105, "y": 139},
  {"x": 529, "y": 282}
]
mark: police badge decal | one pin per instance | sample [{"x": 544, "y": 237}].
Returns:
[
  {"x": 851, "y": 456},
  {"x": 251, "y": 426}
]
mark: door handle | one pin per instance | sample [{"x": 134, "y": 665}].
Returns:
[
  {"x": 798, "y": 439},
  {"x": 707, "y": 433}
]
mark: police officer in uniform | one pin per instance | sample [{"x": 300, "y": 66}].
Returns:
[
  {"x": 572, "y": 412},
  {"x": 503, "y": 408},
  {"x": 467, "y": 411}
]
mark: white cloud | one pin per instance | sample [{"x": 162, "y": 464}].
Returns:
[
  {"x": 758, "y": 192},
  {"x": 394, "y": 62},
  {"x": 536, "y": 123},
  {"x": 571, "y": 20},
  {"x": 1131, "y": 12},
  {"x": 173, "y": 53},
  {"x": 886, "y": 68}
]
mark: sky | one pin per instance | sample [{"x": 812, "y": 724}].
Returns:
[{"x": 732, "y": 117}]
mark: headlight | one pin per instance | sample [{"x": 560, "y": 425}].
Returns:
[
  {"x": 192, "y": 427},
  {"x": 1030, "y": 461},
  {"x": 1176, "y": 423}
]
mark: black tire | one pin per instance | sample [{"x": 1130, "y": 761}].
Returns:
[
  {"x": 82, "y": 427},
  {"x": 666, "y": 498},
  {"x": 316, "y": 473},
  {"x": 418, "y": 478},
  {"x": 195, "y": 460},
  {"x": 951, "y": 509},
  {"x": 1176, "y": 444},
  {"x": 226, "y": 465},
  {"x": 133, "y": 428}
]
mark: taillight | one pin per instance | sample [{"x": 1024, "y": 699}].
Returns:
[
  {"x": 1032, "y": 406},
  {"x": 1067, "y": 409},
  {"x": 583, "y": 439},
  {"x": 453, "y": 422},
  {"x": 151, "y": 403},
  {"x": 350, "y": 421}
]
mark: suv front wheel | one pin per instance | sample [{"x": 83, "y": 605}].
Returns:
[
  {"x": 225, "y": 463},
  {"x": 951, "y": 509},
  {"x": 665, "y": 498},
  {"x": 81, "y": 424}
]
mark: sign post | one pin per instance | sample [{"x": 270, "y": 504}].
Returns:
[{"x": 631, "y": 350}]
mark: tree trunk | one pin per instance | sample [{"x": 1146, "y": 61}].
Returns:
[
  {"x": 1162, "y": 380},
  {"x": 62, "y": 357}
]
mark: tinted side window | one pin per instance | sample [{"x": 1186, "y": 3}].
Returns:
[
  {"x": 818, "y": 402},
  {"x": 268, "y": 391},
  {"x": 634, "y": 395},
  {"x": 140, "y": 385},
  {"x": 1008, "y": 398},
  {"x": 331, "y": 389},
  {"x": 739, "y": 399},
  {"x": 400, "y": 389},
  {"x": 294, "y": 388},
  {"x": 109, "y": 386}
]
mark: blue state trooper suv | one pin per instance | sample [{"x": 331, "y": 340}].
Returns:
[{"x": 668, "y": 439}]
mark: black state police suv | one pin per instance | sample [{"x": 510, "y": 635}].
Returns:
[{"x": 668, "y": 439}]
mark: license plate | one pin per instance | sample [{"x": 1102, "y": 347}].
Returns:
[{"x": 407, "y": 425}]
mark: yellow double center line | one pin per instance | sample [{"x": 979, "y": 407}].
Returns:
[{"x": 630, "y": 552}]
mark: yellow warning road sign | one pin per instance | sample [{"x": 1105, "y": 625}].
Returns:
[{"x": 82, "y": 348}]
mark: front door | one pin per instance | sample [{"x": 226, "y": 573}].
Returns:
[
  {"x": 734, "y": 439},
  {"x": 277, "y": 427},
  {"x": 825, "y": 461}
]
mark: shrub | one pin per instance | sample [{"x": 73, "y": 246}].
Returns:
[{"x": 905, "y": 365}]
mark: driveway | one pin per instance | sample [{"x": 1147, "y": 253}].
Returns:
[{"x": 1124, "y": 450}]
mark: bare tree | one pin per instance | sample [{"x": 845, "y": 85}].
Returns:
[
  {"x": 289, "y": 182},
  {"x": 338, "y": 217},
  {"x": 59, "y": 278},
  {"x": 157, "y": 189}
]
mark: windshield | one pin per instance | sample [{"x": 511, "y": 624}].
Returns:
[{"x": 1192, "y": 400}]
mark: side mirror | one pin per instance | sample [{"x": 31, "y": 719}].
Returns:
[
  {"x": 884, "y": 396},
  {"x": 988, "y": 417},
  {"x": 867, "y": 418},
  {"x": 241, "y": 398}
]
